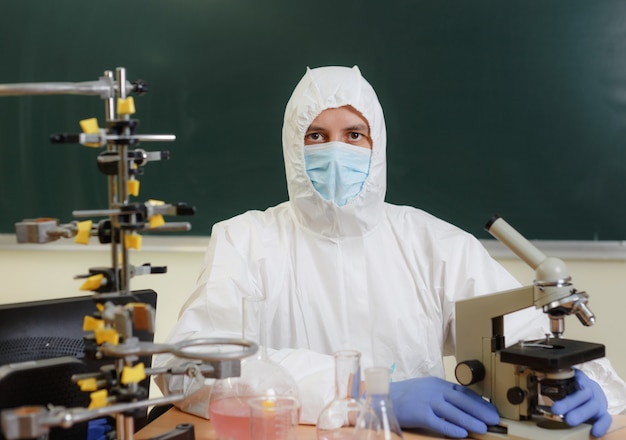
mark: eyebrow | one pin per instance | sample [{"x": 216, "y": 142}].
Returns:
[
  {"x": 358, "y": 127},
  {"x": 350, "y": 128},
  {"x": 314, "y": 128}
]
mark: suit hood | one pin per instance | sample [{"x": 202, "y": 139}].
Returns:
[{"x": 320, "y": 89}]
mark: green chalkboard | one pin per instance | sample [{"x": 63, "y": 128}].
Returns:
[{"x": 513, "y": 107}]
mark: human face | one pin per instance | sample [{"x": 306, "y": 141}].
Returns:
[{"x": 342, "y": 124}]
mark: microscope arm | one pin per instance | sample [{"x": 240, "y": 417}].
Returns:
[{"x": 480, "y": 332}]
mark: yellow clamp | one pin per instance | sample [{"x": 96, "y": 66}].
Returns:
[
  {"x": 157, "y": 219},
  {"x": 133, "y": 374},
  {"x": 93, "y": 282},
  {"x": 107, "y": 335},
  {"x": 91, "y": 324},
  {"x": 90, "y": 126},
  {"x": 126, "y": 106},
  {"x": 133, "y": 187},
  {"x": 88, "y": 384},
  {"x": 132, "y": 241},
  {"x": 84, "y": 232},
  {"x": 98, "y": 399}
]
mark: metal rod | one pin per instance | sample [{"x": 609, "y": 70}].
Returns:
[
  {"x": 109, "y": 107},
  {"x": 142, "y": 137},
  {"x": 123, "y": 174},
  {"x": 96, "y": 212},
  {"x": 69, "y": 417},
  {"x": 104, "y": 87},
  {"x": 110, "y": 102},
  {"x": 119, "y": 426},
  {"x": 129, "y": 428}
]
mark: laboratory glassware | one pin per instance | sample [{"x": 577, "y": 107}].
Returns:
[
  {"x": 260, "y": 377},
  {"x": 337, "y": 420},
  {"x": 273, "y": 418},
  {"x": 377, "y": 419}
]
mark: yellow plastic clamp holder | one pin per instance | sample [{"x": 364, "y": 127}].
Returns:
[
  {"x": 107, "y": 335},
  {"x": 133, "y": 187},
  {"x": 156, "y": 220},
  {"x": 84, "y": 232},
  {"x": 90, "y": 324},
  {"x": 93, "y": 282},
  {"x": 88, "y": 384},
  {"x": 126, "y": 106},
  {"x": 90, "y": 126},
  {"x": 98, "y": 399},
  {"x": 133, "y": 241},
  {"x": 133, "y": 374}
]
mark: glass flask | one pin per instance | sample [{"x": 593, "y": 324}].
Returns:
[
  {"x": 338, "y": 418},
  {"x": 377, "y": 419},
  {"x": 260, "y": 377}
]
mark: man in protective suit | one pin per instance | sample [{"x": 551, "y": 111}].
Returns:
[{"x": 342, "y": 269}]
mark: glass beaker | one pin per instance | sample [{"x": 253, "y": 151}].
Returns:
[
  {"x": 338, "y": 418},
  {"x": 260, "y": 377},
  {"x": 377, "y": 419},
  {"x": 273, "y": 418}
]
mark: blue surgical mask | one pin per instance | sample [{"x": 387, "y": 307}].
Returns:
[{"x": 337, "y": 170}]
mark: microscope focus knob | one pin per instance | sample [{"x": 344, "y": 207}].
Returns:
[
  {"x": 515, "y": 395},
  {"x": 469, "y": 372}
]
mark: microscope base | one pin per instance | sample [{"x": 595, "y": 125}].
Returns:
[{"x": 529, "y": 430}]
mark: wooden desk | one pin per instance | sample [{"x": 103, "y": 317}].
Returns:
[{"x": 204, "y": 431}]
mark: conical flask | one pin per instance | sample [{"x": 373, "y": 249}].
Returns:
[
  {"x": 377, "y": 419},
  {"x": 260, "y": 377},
  {"x": 338, "y": 418}
]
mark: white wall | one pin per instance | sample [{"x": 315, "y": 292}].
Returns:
[{"x": 32, "y": 272}]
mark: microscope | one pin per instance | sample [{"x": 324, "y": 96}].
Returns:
[{"x": 524, "y": 379}]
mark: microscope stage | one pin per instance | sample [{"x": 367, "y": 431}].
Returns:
[{"x": 552, "y": 354}]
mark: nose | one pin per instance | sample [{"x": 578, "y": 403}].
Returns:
[{"x": 331, "y": 136}]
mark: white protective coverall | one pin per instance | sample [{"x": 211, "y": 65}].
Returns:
[{"x": 369, "y": 275}]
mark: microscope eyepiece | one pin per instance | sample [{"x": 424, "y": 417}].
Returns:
[{"x": 491, "y": 221}]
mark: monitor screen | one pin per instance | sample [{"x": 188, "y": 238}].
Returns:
[{"x": 51, "y": 333}]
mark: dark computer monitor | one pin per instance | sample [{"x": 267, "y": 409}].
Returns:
[{"x": 42, "y": 345}]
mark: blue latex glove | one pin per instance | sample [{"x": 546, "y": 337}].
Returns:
[
  {"x": 588, "y": 404},
  {"x": 441, "y": 406}
]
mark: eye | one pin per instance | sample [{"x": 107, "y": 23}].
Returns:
[
  {"x": 313, "y": 137},
  {"x": 355, "y": 136}
]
